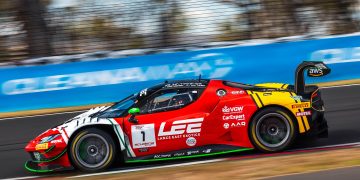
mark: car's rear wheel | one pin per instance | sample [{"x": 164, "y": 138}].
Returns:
[
  {"x": 92, "y": 150},
  {"x": 272, "y": 129}
]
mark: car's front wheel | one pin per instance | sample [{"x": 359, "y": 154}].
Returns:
[
  {"x": 92, "y": 150},
  {"x": 272, "y": 129}
]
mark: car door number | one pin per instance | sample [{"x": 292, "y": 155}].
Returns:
[{"x": 143, "y": 136}]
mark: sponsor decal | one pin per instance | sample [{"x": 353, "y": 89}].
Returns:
[
  {"x": 267, "y": 94},
  {"x": 238, "y": 117},
  {"x": 226, "y": 125},
  {"x": 238, "y": 124},
  {"x": 56, "y": 141},
  {"x": 301, "y": 105},
  {"x": 298, "y": 98},
  {"x": 339, "y": 55},
  {"x": 237, "y": 92},
  {"x": 212, "y": 65},
  {"x": 232, "y": 110},
  {"x": 143, "y": 136},
  {"x": 191, "y": 141},
  {"x": 179, "y": 154},
  {"x": 189, "y": 153},
  {"x": 143, "y": 149},
  {"x": 37, "y": 156},
  {"x": 316, "y": 72},
  {"x": 42, "y": 146},
  {"x": 162, "y": 156},
  {"x": 181, "y": 129},
  {"x": 192, "y": 84},
  {"x": 221, "y": 92},
  {"x": 207, "y": 151},
  {"x": 143, "y": 92},
  {"x": 305, "y": 113}
]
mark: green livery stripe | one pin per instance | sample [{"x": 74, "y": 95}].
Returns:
[
  {"x": 118, "y": 134},
  {"x": 193, "y": 156},
  {"x": 51, "y": 148},
  {"x": 54, "y": 158},
  {"x": 36, "y": 170}
]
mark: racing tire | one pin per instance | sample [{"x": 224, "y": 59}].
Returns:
[
  {"x": 272, "y": 130},
  {"x": 92, "y": 150}
]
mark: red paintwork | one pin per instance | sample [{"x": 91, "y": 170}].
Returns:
[{"x": 208, "y": 106}]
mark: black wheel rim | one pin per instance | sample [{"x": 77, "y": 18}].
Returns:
[
  {"x": 273, "y": 130},
  {"x": 92, "y": 150}
]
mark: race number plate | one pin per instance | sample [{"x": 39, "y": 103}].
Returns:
[{"x": 143, "y": 136}]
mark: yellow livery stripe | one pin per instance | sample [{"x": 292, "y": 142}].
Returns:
[
  {"x": 299, "y": 119},
  {"x": 256, "y": 99}
]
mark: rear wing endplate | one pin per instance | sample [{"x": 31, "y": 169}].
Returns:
[{"x": 315, "y": 69}]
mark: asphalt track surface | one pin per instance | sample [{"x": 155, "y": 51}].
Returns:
[{"x": 342, "y": 112}]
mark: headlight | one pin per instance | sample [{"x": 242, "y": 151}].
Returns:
[{"x": 48, "y": 138}]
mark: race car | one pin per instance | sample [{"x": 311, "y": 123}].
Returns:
[{"x": 185, "y": 119}]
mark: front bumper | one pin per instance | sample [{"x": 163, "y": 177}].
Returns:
[{"x": 47, "y": 157}]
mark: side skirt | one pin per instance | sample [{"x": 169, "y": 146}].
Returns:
[{"x": 202, "y": 151}]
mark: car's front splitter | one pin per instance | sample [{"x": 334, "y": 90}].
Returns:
[{"x": 45, "y": 165}]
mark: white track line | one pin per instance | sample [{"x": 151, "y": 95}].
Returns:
[
  {"x": 39, "y": 115},
  {"x": 20, "y": 178},
  {"x": 337, "y": 86},
  {"x": 147, "y": 168}
]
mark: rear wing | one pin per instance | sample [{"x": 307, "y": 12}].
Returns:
[{"x": 315, "y": 69}]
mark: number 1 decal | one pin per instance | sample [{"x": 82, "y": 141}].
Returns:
[{"x": 143, "y": 136}]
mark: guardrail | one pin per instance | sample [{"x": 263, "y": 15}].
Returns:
[{"x": 109, "y": 80}]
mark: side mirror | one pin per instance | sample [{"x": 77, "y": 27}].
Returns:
[{"x": 133, "y": 112}]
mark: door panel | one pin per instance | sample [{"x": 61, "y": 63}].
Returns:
[{"x": 165, "y": 131}]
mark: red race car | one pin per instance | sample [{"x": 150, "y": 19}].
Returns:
[{"x": 183, "y": 119}]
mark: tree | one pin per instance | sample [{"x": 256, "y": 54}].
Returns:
[
  {"x": 38, "y": 37},
  {"x": 172, "y": 21}
]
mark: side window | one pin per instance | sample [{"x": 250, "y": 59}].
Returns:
[{"x": 169, "y": 100}]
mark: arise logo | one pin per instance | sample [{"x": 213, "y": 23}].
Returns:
[{"x": 187, "y": 126}]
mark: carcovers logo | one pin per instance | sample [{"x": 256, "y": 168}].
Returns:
[
  {"x": 234, "y": 117},
  {"x": 181, "y": 129}
]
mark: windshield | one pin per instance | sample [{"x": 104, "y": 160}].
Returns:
[{"x": 119, "y": 108}]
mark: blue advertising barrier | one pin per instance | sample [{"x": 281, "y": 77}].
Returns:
[{"x": 109, "y": 80}]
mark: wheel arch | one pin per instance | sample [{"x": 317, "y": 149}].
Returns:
[
  {"x": 288, "y": 111},
  {"x": 105, "y": 127}
]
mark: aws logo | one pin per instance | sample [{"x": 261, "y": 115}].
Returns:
[{"x": 316, "y": 72}]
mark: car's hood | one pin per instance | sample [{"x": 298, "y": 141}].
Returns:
[
  {"x": 87, "y": 114},
  {"x": 81, "y": 118}
]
